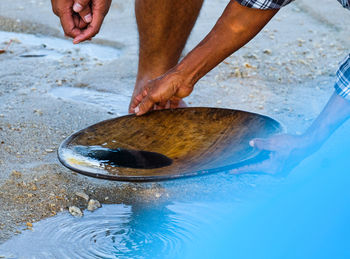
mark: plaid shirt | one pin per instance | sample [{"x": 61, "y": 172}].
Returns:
[
  {"x": 342, "y": 84},
  {"x": 277, "y": 4}
]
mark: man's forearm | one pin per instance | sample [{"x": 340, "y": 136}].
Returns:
[
  {"x": 335, "y": 113},
  {"x": 237, "y": 26}
]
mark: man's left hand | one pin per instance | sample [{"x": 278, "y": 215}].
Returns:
[{"x": 286, "y": 152}]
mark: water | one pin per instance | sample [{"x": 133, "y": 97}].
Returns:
[
  {"x": 55, "y": 48},
  {"x": 116, "y": 104},
  {"x": 114, "y": 231},
  {"x": 122, "y": 157}
]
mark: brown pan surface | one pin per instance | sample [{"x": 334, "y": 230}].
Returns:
[{"x": 195, "y": 140}]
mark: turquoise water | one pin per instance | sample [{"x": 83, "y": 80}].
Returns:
[{"x": 305, "y": 215}]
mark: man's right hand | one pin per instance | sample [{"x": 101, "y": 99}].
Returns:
[
  {"x": 71, "y": 22},
  {"x": 99, "y": 9},
  {"x": 85, "y": 25}
]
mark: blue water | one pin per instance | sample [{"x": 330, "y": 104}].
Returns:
[{"x": 305, "y": 215}]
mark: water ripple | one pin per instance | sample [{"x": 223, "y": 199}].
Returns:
[{"x": 114, "y": 231}]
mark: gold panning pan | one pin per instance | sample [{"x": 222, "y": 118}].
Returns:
[{"x": 166, "y": 144}]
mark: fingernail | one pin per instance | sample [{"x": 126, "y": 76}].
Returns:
[
  {"x": 137, "y": 109},
  {"x": 88, "y": 18},
  {"x": 251, "y": 143},
  {"x": 77, "y": 7}
]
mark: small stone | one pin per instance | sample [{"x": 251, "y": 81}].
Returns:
[
  {"x": 247, "y": 65},
  {"x": 237, "y": 73},
  {"x": 49, "y": 150},
  {"x": 82, "y": 195},
  {"x": 37, "y": 111},
  {"x": 16, "y": 174},
  {"x": 267, "y": 52},
  {"x": 30, "y": 225},
  {"x": 158, "y": 195},
  {"x": 93, "y": 205},
  {"x": 75, "y": 211}
]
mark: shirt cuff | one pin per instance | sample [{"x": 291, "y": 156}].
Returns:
[
  {"x": 264, "y": 4},
  {"x": 342, "y": 84}
]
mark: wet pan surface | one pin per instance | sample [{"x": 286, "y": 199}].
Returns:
[{"x": 166, "y": 144}]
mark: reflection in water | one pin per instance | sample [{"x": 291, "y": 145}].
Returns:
[{"x": 124, "y": 157}]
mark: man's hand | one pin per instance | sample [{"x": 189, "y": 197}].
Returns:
[
  {"x": 99, "y": 9},
  {"x": 159, "y": 92},
  {"x": 72, "y": 24},
  {"x": 81, "y": 19},
  {"x": 286, "y": 152}
]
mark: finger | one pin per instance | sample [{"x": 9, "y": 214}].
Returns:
[
  {"x": 68, "y": 25},
  {"x": 93, "y": 28},
  {"x": 79, "y": 5},
  {"x": 262, "y": 144},
  {"x": 86, "y": 15},
  {"x": 78, "y": 22},
  {"x": 135, "y": 102},
  {"x": 263, "y": 167},
  {"x": 145, "y": 105}
]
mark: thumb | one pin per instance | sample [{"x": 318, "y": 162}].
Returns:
[
  {"x": 80, "y": 5},
  {"x": 262, "y": 144},
  {"x": 145, "y": 105}
]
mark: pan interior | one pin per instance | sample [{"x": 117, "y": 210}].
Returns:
[{"x": 167, "y": 143}]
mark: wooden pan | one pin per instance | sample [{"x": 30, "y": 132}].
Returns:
[{"x": 166, "y": 144}]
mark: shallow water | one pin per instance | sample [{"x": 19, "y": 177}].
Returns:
[
  {"x": 115, "y": 104},
  {"x": 55, "y": 48},
  {"x": 114, "y": 231}
]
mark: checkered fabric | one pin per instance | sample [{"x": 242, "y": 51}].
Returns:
[
  {"x": 264, "y": 4},
  {"x": 277, "y": 4},
  {"x": 342, "y": 85},
  {"x": 345, "y": 3}
]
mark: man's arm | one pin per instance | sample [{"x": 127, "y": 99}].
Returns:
[
  {"x": 287, "y": 151},
  {"x": 236, "y": 27}
]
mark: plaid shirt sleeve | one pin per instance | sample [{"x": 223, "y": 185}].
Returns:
[
  {"x": 342, "y": 84},
  {"x": 345, "y": 3},
  {"x": 266, "y": 4}
]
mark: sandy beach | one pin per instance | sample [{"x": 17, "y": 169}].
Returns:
[{"x": 50, "y": 89}]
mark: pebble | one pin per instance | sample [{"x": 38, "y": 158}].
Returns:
[
  {"x": 75, "y": 211},
  {"x": 93, "y": 205},
  {"x": 16, "y": 174},
  {"x": 37, "y": 111},
  {"x": 49, "y": 150},
  {"x": 82, "y": 195},
  {"x": 30, "y": 225}
]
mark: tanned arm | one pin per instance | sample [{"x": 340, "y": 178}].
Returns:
[{"x": 235, "y": 28}]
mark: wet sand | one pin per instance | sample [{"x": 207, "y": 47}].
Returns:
[{"x": 287, "y": 72}]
